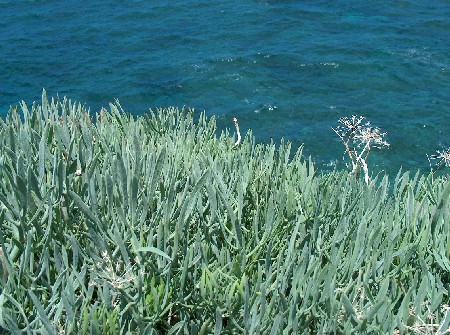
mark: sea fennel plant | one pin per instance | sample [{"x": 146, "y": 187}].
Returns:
[{"x": 114, "y": 224}]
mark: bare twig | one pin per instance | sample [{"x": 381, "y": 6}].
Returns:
[
  {"x": 358, "y": 139},
  {"x": 444, "y": 160},
  {"x": 237, "y": 131}
]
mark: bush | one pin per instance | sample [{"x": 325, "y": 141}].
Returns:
[{"x": 156, "y": 225}]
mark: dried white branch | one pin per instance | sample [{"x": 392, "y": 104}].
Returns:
[
  {"x": 237, "y": 131},
  {"x": 358, "y": 139},
  {"x": 444, "y": 160}
]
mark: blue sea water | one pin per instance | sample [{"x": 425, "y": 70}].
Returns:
[{"x": 286, "y": 69}]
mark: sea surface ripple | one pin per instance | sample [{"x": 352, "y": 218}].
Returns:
[{"x": 286, "y": 69}]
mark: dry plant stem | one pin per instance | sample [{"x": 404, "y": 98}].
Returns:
[
  {"x": 355, "y": 158},
  {"x": 347, "y": 148},
  {"x": 237, "y": 131},
  {"x": 116, "y": 274},
  {"x": 365, "y": 169},
  {"x": 351, "y": 154},
  {"x": 363, "y": 162},
  {"x": 358, "y": 139},
  {"x": 444, "y": 156}
]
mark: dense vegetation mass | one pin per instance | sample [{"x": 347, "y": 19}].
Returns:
[{"x": 155, "y": 225}]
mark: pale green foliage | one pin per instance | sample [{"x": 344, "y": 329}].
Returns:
[{"x": 154, "y": 225}]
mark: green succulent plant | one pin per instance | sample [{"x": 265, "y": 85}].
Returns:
[{"x": 114, "y": 224}]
